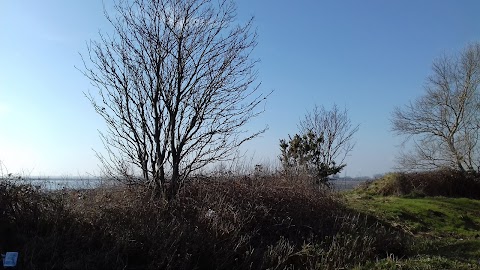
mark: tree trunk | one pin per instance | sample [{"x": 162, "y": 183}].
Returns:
[
  {"x": 174, "y": 182},
  {"x": 159, "y": 189}
]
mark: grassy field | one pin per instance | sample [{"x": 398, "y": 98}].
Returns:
[
  {"x": 446, "y": 231},
  {"x": 268, "y": 223}
]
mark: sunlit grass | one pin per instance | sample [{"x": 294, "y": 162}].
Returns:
[
  {"x": 435, "y": 216},
  {"x": 446, "y": 230}
]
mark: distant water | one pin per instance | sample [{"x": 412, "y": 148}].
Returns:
[
  {"x": 344, "y": 184},
  {"x": 56, "y": 183}
]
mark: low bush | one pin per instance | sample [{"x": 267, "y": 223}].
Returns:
[
  {"x": 210, "y": 225},
  {"x": 47, "y": 234},
  {"x": 448, "y": 183}
]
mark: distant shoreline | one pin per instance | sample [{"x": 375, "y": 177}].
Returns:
[{"x": 89, "y": 182}]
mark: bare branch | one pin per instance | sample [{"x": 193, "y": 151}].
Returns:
[
  {"x": 444, "y": 123},
  {"x": 319, "y": 151},
  {"x": 176, "y": 87}
]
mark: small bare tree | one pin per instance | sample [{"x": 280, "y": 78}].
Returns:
[
  {"x": 176, "y": 86},
  {"x": 444, "y": 123},
  {"x": 325, "y": 140}
]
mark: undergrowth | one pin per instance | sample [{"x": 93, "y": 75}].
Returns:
[
  {"x": 447, "y": 183},
  {"x": 438, "y": 209},
  {"x": 265, "y": 224}
]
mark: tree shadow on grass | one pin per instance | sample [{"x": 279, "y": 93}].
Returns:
[{"x": 462, "y": 250}]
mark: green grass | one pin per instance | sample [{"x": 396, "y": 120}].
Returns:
[
  {"x": 446, "y": 230},
  {"x": 435, "y": 216},
  {"x": 419, "y": 262}
]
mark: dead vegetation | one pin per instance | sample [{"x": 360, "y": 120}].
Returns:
[{"x": 240, "y": 224}]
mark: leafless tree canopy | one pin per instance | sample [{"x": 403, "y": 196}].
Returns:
[
  {"x": 176, "y": 86},
  {"x": 320, "y": 150},
  {"x": 444, "y": 123},
  {"x": 336, "y": 129}
]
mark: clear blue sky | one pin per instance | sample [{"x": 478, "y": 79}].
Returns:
[{"x": 368, "y": 56}]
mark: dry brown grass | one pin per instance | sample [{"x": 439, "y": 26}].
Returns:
[{"x": 266, "y": 223}]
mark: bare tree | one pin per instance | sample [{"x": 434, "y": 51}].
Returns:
[
  {"x": 336, "y": 129},
  {"x": 176, "y": 86},
  {"x": 444, "y": 123},
  {"x": 325, "y": 140}
]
